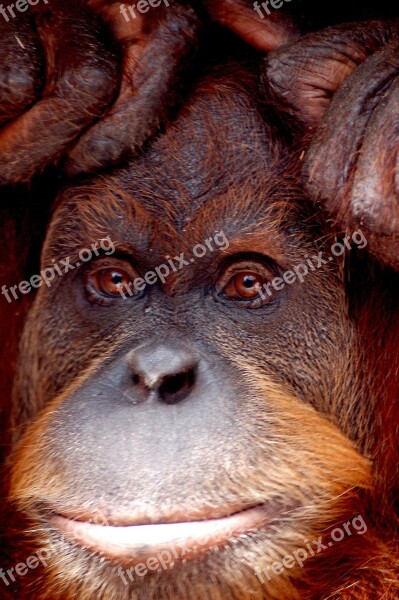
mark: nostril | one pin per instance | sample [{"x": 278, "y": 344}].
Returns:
[
  {"x": 163, "y": 371},
  {"x": 175, "y": 388}
]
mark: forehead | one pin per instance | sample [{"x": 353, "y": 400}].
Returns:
[{"x": 219, "y": 165}]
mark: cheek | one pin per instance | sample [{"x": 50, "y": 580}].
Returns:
[
  {"x": 55, "y": 349},
  {"x": 306, "y": 342}
]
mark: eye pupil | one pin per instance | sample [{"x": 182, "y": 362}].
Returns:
[
  {"x": 111, "y": 280},
  {"x": 244, "y": 285},
  {"x": 116, "y": 278},
  {"x": 249, "y": 281}
]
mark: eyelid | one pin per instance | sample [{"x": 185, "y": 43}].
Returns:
[
  {"x": 96, "y": 296},
  {"x": 112, "y": 262},
  {"x": 260, "y": 267}
]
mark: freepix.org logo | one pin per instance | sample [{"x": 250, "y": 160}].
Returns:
[
  {"x": 173, "y": 265},
  {"x": 58, "y": 268}
]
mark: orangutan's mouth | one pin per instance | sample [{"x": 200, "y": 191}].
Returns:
[{"x": 183, "y": 540}]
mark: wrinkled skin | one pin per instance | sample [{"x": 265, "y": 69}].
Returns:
[{"x": 286, "y": 409}]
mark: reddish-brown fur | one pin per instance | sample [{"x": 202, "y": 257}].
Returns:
[{"x": 308, "y": 422}]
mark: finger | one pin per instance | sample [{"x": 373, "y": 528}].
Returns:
[
  {"x": 374, "y": 198},
  {"x": 261, "y": 26},
  {"x": 375, "y": 194},
  {"x": 21, "y": 68},
  {"x": 342, "y": 85},
  {"x": 81, "y": 81},
  {"x": 352, "y": 165},
  {"x": 304, "y": 76},
  {"x": 335, "y": 149},
  {"x": 157, "y": 49}
]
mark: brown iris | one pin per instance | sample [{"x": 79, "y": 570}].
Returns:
[
  {"x": 244, "y": 286},
  {"x": 111, "y": 281}
]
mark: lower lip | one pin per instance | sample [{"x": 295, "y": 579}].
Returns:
[{"x": 137, "y": 543}]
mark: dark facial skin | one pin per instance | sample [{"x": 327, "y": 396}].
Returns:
[{"x": 188, "y": 401}]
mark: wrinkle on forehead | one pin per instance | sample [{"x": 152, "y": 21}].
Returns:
[
  {"x": 219, "y": 139},
  {"x": 219, "y": 164}
]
